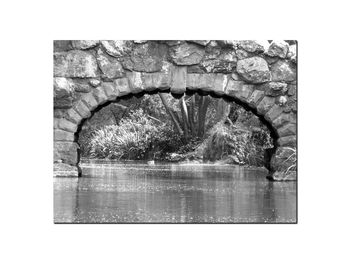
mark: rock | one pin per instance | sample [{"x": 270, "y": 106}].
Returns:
[
  {"x": 292, "y": 53},
  {"x": 62, "y": 45},
  {"x": 66, "y": 152},
  {"x": 282, "y": 100},
  {"x": 265, "y": 105},
  {"x": 278, "y": 49},
  {"x": 224, "y": 63},
  {"x": 148, "y": 57},
  {"x": 290, "y": 141},
  {"x": 200, "y": 42},
  {"x": 239, "y": 89},
  {"x": 178, "y": 83},
  {"x": 253, "y": 46},
  {"x": 63, "y": 93},
  {"x": 283, "y": 71},
  {"x": 94, "y": 82},
  {"x": 84, "y": 44},
  {"x": 275, "y": 88},
  {"x": 75, "y": 64},
  {"x": 60, "y": 135},
  {"x": 187, "y": 54},
  {"x": 81, "y": 86},
  {"x": 292, "y": 89},
  {"x": 110, "y": 66},
  {"x": 135, "y": 82},
  {"x": 242, "y": 54},
  {"x": 254, "y": 70},
  {"x": 116, "y": 48}
]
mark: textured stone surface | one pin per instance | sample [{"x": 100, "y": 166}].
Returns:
[
  {"x": 254, "y": 70},
  {"x": 61, "y": 135},
  {"x": 62, "y": 45},
  {"x": 287, "y": 130},
  {"x": 278, "y": 49},
  {"x": 82, "y": 109},
  {"x": 187, "y": 54},
  {"x": 223, "y": 63},
  {"x": 273, "y": 113},
  {"x": 283, "y": 71},
  {"x": 66, "y": 152},
  {"x": 287, "y": 141},
  {"x": 265, "y": 105},
  {"x": 100, "y": 95},
  {"x": 135, "y": 82},
  {"x": 116, "y": 48},
  {"x": 89, "y": 101},
  {"x": 292, "y": 53},
  {"x": 63, "y": 93},
  {"x": 75, "y": 64},
  {"x": 65, "y": 170},
  {"x": 81, "y": 86},
  {"x": 148, "y": 57},
  {"x": 152, "y": 81},
  {"x": 178, "y": 83},
  {"x": 239, "y": 89},
  {"x": 283, "y": 119},
  {"x": 255, "y": 98},
  {"x": 66, "y": 125},
  {"x": 110, "y": 66},
  {"x": 275, "y": 88},
  {"x": 253, "y": 46},
  {"x": 84, "y": 44},
  {"x": 122, "y": 86}
]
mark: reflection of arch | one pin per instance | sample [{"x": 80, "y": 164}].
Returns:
[{"x": 252, "y": 97}]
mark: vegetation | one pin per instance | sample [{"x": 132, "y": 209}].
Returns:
[{"x": 193, "y": 128}]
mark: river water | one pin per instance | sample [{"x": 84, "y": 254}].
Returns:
[{"x": 110, "y": 192}]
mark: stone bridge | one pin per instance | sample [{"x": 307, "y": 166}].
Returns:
[{"x": 259, "y": 75}]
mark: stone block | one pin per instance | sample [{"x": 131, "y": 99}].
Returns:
[
  {"x": 89, "y": 101},
  {"x": 275, "y": 89},
  {"x": 135, "y": 82},
  {"x": 110, "y": 90},
  {"x": 186, "y": 54},
  {"x": 74, "y": 116},
  {"x": 283, "y": 71},
  {"x": 253, "y": 46},
  {"x": 278, "y": 49},
  {"x": 61, "y": 135},
  {"x": 254, "y": 70},
  {"x": 66, "y": 152},
  {"x": 255, "y": 98},
  {"x": 239, "y": 89},
  {"x": 65, "y": 170},
  {"x": 265, "y": 105},
  {"x": 100, "y": 95},
  {"x": 273, "y": 113},
  {"x": 283, "y": 119},
  {"x": 75, "y": 64},
  {"x": 153, "y": 81},
  {"x": 147, "y": 57},
  {"x": 178, "y": 83},
  {"x": 220, "y": 83},
  {"x": 286, "y": 130},
  {"x": 82, "y": 109},
  {"x": 192, "y": 81},
  {"x": 122, "y": 85},
  {"x": 84, "y": 44},
  {"x": 110, "y": 66},
  {"x": 287, "y": 141},
  {"x": 116, "y": 48},
  {"x": 66, "y": 125}
]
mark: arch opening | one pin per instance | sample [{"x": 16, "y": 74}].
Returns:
[{"x": 188, "y": 92}]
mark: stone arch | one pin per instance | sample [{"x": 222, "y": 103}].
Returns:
[{"x": 263, "y": 82}]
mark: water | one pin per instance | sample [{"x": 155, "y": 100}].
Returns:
[{"x": 171, "y": 193}]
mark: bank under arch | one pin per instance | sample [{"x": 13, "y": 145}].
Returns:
[{"x": 272, "y": 101}]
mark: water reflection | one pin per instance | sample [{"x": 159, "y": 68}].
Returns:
[{"x": 135, "y": 192}]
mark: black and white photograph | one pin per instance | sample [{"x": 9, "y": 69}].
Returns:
[{"x": 175, "y": 131}]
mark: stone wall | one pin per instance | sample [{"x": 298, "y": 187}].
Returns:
[{"x": 261, "y": 75}]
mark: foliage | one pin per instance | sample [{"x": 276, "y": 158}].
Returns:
[
  {"x": 233, "y": 143},
  {"x": 291, "y": 160}
]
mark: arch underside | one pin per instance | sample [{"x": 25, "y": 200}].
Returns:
[{"x": 277, "y": 116}]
